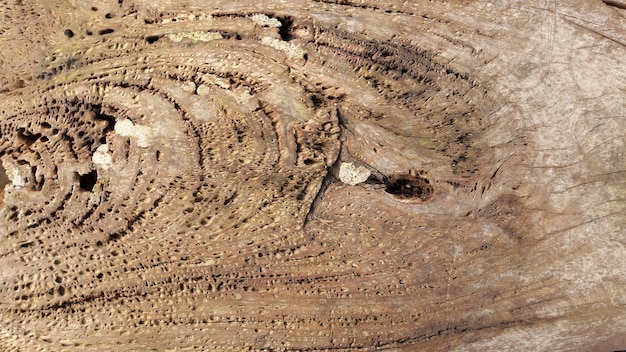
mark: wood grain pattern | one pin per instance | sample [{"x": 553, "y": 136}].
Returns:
[{"x": 171, "y": 174}]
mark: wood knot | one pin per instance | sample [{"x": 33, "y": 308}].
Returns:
[{"x": 413, "y": 186}]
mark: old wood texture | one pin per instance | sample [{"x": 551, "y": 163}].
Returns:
[{"x": 312, "y": 175}]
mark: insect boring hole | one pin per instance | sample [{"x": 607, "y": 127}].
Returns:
[
  {"x": 410, "y": 187},
  {"x": 88, "y": 180}
]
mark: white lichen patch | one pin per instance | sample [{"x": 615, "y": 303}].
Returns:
[
  {"x": 102, "y": 157},
  {"x": 196, "y": 36},
  {"x": 20, "y": 176},
  {"x": 264, "y": 20},
  {"x": 16, "y": 179},
  {"x": 203, "y": 90},
  {"x": 353, "y": 174},
  {"x": 127, "y": 128},
  {"x": 189, "y": 87},
  {"x": 292, "y": 50}
]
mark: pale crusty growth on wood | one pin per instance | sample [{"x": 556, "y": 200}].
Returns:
[
  {"x": 170, "y": 175},
  {"x": 352, "y": 174}
]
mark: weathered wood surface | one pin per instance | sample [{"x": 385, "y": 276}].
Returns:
[{"x": 312, "y": 175}]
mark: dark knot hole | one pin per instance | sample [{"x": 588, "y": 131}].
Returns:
[{"x": 410, "y": 187}]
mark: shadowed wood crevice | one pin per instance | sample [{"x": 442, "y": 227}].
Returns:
[{"x": 312, "y": 175}]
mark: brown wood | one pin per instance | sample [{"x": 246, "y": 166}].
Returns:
[{"x": 312, "y": 175}]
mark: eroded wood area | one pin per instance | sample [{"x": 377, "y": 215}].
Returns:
[{"x": 312, "y": 175}]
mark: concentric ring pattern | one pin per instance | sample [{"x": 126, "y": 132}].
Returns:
[{"x": 162, "y": 168}]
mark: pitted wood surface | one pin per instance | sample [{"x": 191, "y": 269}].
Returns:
[{"x": 312, "y": 175}]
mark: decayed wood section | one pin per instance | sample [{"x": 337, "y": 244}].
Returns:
[{"x": 312, "y": 175}]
